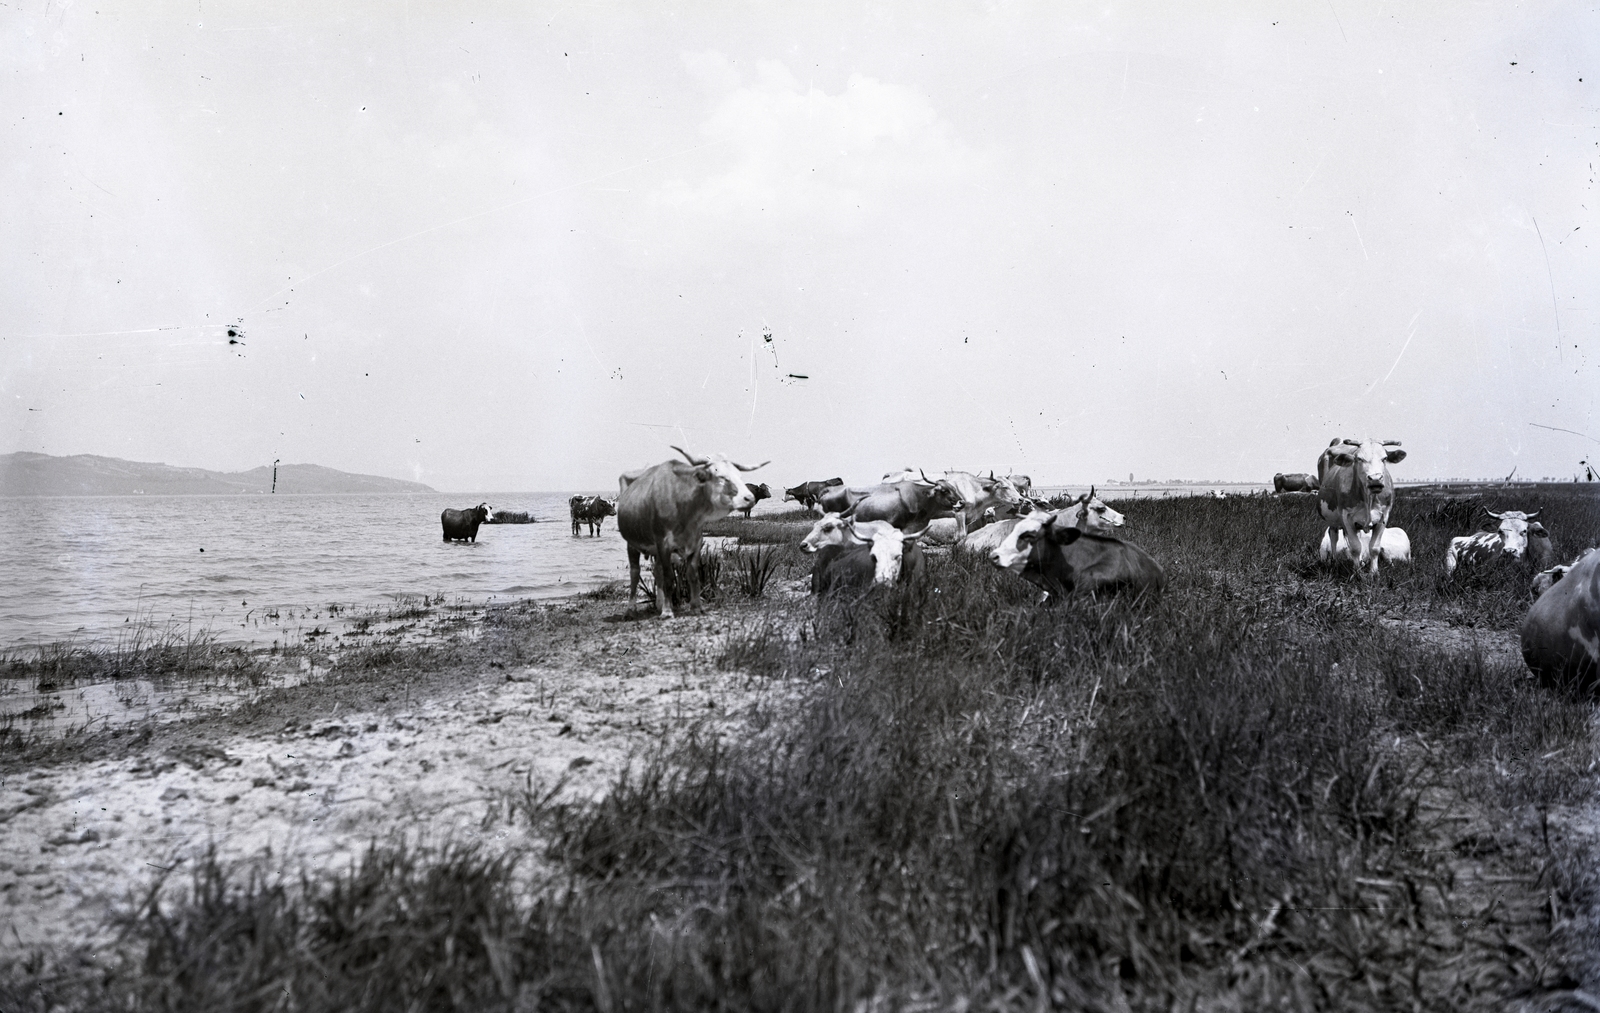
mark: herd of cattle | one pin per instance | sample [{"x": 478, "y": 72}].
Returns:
[{"x": 1062, "y": 545}]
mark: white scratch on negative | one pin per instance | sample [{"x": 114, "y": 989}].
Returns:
[{"x": 1413, "y": 326}]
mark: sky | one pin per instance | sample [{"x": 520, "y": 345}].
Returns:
[{"x": 527, "y": 247}]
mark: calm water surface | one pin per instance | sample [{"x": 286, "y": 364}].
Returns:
[{"x": 88, "y": 569}]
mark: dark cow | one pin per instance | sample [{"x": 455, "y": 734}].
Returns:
[
  {"x": 808, "y": 493},
  {"x": 909, "y": 506},
  {"x": 1561, "y": 636},
  {"x": 1062, "y": 559},
  {"x": 836, "y": 499},
  {"x": 889, "y": 557},
  {"x": 1297, "y": 482},
  {"x": 760, "y": 492},
  {"x": 663, "y": 509},
  {"x": 1356, "y": 493},
  {"x": 1519, "y": 537},
  {"x": 590, "y": 510},
  {"x": 462, "y": 525}
]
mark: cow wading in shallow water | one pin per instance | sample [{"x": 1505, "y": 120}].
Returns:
[
  {"x": 462, "y": 525},
  {"x": 663, "y": 509}
]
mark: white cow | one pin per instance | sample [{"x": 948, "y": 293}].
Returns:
[{"x": 1396, "y": 546}]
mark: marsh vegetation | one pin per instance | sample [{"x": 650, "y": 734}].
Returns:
[{"x": 1279, "y": 786}]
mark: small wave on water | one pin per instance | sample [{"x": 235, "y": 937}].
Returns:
[{"x": 81, "y": 568}]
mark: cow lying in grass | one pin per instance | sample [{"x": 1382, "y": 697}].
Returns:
[
  {"x": 1519, "y": 537},
  {"x": 1396, "y": 547},
  {"x": 853, "y": 553},
  {"x": 1062, "y": 559},
  {"x": 1561, "y": 636}
]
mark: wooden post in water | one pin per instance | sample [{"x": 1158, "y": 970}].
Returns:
[{"x": 275, "y": 461}]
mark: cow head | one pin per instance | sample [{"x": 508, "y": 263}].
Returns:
[
  {"x": 833, "y": 529},
  {"x": 1515, "y": 528},
  {"x": 1369, "y": 458},
  {"x": 722, "y": 474},
  {"x": 1014, "y": 553},
  {"x": 1095, "y": 517},
  {"x": 604, "y": 507},
  {"x": 942, "y": 493},
  {"x": 1003, "y": 490},
  {"x": 888, "y": 553}
]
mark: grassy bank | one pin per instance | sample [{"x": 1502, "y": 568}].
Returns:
[{"x": 1262, "y": 791}]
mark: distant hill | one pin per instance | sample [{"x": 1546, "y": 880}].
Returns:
[{"x": 27, "y": 474}]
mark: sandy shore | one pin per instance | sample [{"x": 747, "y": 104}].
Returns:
[{"x": 305, "y": 778}]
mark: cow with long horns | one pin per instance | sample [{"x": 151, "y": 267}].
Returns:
[
  {"x": 662, "y": 511},
  {"x": 1519, "y": 537}
]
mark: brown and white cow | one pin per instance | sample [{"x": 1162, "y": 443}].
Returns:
[
  {"x": 662, "y": 511},
  {"x": 887, "y": 557},
  {"x": 1356, "y": 494},
  {"x": 760, "y": 492},
  {"x": 1544, "y": 580},
  {"x": 1561, "y": 636},
  {"x": 1062, "y": 559},
  {"x": 590, "y": 510},
  {"x": 1519, "y": 537}
]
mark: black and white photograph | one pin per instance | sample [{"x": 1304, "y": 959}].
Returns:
[{"x": 881, "y": 507}]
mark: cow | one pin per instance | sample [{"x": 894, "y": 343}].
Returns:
[
  {"x": 1091, "y": 514},
  {"x": 807, "y": 493},
  {"x": 888, "y": 557},
  {"x": 1298, "y": 482},
  {"x": 1356, "y": 493},
  {"x": 462, "y": 525},
  {"x": 1545, "y": 579},
  {"x": 977, "y": 495},
  {"x": 1561, "y": 635},
  {"x": 663, "y": 509},
  {"x": 590, "y": 510},
  {"x": 1061, "y": 559},
  {"x": 1519, "y": 537},
  {"x": 832, "y": 529},
  {"x": 1396, "y": 546},
  {"x": 760, "y": 492},
  {"x": 836, "y": 499},
  {"x": 908, "y": 506},
  {"x": 1022, "y": 483}
]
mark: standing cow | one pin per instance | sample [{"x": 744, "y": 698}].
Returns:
[
  {"x": 590, "y": 510},
  {"x": 462, "y": 525},
  {"x": 1356, "y": 494},
  {"x": 760, "y": 492},
  {"x": 663, "y": 509}
]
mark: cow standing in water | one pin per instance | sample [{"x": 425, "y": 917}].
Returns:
[
  {"x": 590, "y": 510},
  {"x": 462, "y": 525},
  {"x": 1356, "y": 494},
  {"x": 662, "y": 511}
]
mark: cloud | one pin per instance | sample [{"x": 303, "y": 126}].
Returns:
[{"x": 787, "y": 150}]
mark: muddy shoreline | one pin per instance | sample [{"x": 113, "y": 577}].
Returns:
[{"x": 304, "y": 776}]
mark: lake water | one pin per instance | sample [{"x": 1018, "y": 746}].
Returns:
[{"x": 88, "y": 569}]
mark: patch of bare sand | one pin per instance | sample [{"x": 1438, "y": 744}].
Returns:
[{"x": 80, "y": 838}]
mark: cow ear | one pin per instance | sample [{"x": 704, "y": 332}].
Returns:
[
  {"x": 1343, "y": 460},
  {"x": 703, "y": 474},
  {"x": 1065, "y": 535},
  {"x": 1395, "y": 455},
  {"x": 1538, "y": 529}
]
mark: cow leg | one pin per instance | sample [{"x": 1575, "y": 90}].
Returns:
[
  {"x": 1377, "y": 541},
  {"x": 633, "y": 575},
  {"x": 1358, "y": 555},
  {"x": 691, "y": 564},
  {"x": 663, "y": 575}
]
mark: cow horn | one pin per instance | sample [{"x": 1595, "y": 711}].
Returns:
[
  {"x": 1353, "y": 443},
  {"x": 752, "y": 467},
  {"x": 1491, "y": 513},
  {"x": 1535, "y": 514},
  {"x": 1391, "y": 443},
  {"x": 697, "y": 462}
]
